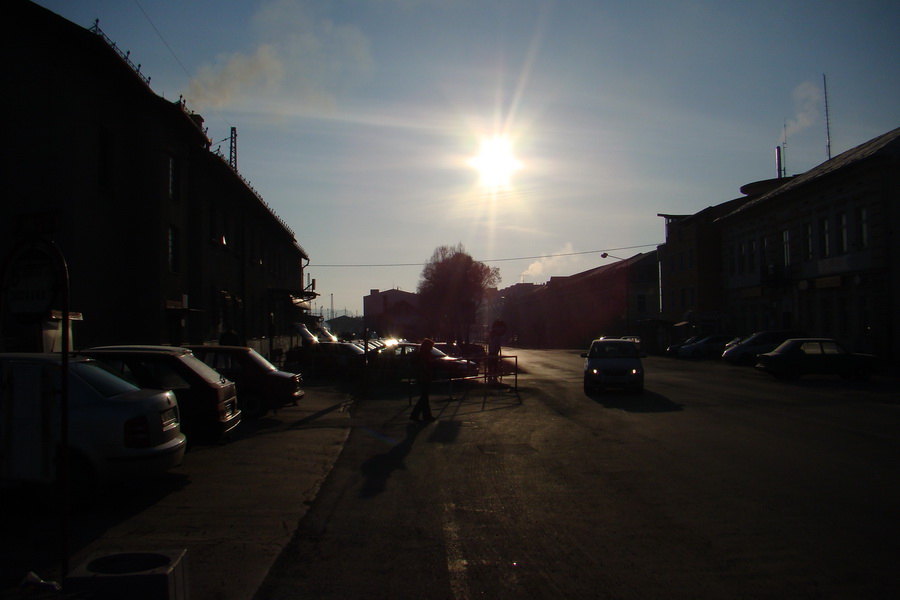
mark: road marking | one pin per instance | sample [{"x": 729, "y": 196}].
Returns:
[{"x": 456, "y": 562}]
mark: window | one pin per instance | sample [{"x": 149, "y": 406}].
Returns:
[
  {"x": 842, "y": 234},
  {"x": 105, "y": 159},
  {"x": 824, "y": 239},
  {"x": 173, "y": 177},
  {"x": 786, "y": 247},
  {"x": 807, "y": 242},
  {"x": 174, "y": 249},
  {"x": 811, "y": 348},
  {"x": 741, "y": 257},
  {"x": 862, "y": 227}
]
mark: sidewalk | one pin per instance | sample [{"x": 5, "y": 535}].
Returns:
[{"x": 233, "y": 507}]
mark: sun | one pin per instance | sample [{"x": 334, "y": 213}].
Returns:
[{"x": 495, "y": 162}]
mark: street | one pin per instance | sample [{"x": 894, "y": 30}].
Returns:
[{"x": 717, "y": 482}]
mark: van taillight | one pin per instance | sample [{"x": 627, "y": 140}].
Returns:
[{"x": 137, "y": 433}]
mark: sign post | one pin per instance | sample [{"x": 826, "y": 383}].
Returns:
[{"x": 32, "y": 279}]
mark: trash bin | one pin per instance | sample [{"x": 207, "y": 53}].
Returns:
[{"x": 157, "y": 575}]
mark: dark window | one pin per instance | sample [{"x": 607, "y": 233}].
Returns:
[
  {"x": 824, "y": 239},
  {"x": 174, "y": 249},
  {"x": 174, "y": 177},
  {"x": 842, "y": 233},
  {"x": 862, "y": 227}
]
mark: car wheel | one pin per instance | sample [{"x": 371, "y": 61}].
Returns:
[
  {"x": 252, "y": 406},
  {"x": 789, "y": 374}
]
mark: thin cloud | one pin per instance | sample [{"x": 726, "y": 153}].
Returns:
[
  {"x": 552, "y": 264},
  {"x": 302, "y": 58},
  {"x": 807, "y": 102}
]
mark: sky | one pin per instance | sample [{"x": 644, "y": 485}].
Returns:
[{"x": 362, "y": 122}]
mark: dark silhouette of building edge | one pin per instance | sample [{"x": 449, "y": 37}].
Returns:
[{"x": 165, "y": 242}]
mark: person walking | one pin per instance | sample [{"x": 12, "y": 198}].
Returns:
[{"x": 423, "y": 376}]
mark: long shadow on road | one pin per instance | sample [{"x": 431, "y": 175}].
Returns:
[{"x": 648, "y": 402}]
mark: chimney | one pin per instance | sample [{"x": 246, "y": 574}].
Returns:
[{"x": 778, "y": 161}]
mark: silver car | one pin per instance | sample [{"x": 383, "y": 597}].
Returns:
[
  {"x": 117, "y": 431},
  {"x": 613, "y": 363}
]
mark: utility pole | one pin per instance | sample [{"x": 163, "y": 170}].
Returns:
[{"x": 827, "y": 120}]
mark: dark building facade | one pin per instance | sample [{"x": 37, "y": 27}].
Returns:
[
  {"x": 817, "y": 253},
  {"x": 690, "y": 265},
  {"x": 618, "y": 299},
  {"x": 164, "y": 241}
]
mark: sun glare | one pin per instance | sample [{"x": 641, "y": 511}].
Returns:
[{"x": 495, "y": 162}]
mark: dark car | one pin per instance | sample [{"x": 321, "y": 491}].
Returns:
[
  {"x": 261, "y": 387},
  {"x": 745, "y": 351},
  {"x": 711, "y": 345},
  {"x": 206, "y": 399},
  {"x": 613, "y": 363},
  {"x": 673, "y": 348},
  {"x": 338, "y": 359},
  {"x": 823, "y": 356},
  {"x": 398, "y": 360}
]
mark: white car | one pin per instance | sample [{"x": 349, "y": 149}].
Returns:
[
  {"x": 117, "y": 431},
  {"x": 613, "y": 363}
]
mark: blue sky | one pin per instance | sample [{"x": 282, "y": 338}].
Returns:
[{"x": 357, "y": 119}]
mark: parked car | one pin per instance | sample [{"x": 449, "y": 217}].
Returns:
[
  {"x": 260, "y": 386},
  {"x": 467, "y": 351},
  {"x": 673, "y": 348},
  {"x": 822, "y": 356},
  {"x": 398, "y": 360},
  {"x": 338, "y": 359},
  {"x": 206, "y": 399},
  {"x": 117, "y": 431},
  {"x": 613, "y": 363},
  {"x": 745, "y": 351},
  {"x": 711, "y": 345}
]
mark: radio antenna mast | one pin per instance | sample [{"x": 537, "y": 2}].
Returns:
[
  {"x": 827, "y": 120},
  {"x": 784, "y": 149}
]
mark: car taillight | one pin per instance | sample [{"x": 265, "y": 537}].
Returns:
[{"x": 137, "y": 433}]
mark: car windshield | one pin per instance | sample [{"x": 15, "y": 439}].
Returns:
[
  {"x": 607, "y": 350},
  {"x": 102, "y": 379}
]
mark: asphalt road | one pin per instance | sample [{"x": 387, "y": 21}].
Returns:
[{"x": 717, "y": 482}]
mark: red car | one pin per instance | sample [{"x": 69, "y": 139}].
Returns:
[{"x": 261, "y": 387}]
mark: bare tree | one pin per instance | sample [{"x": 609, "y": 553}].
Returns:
[{"x": 451, "y": 288}]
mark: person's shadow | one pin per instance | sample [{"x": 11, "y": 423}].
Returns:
[{"x": 378, "y": 469}]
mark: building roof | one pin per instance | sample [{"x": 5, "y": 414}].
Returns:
[{"x": 887, "y": 144}]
